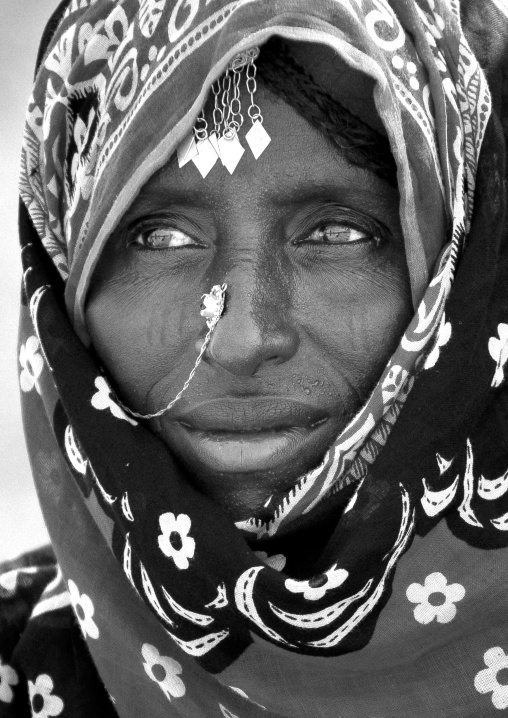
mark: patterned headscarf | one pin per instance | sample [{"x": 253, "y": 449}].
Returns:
[
  {"x": 234, "y": 622},
  {"x": 121, "y": 85}
]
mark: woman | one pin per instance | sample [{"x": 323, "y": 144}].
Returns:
[{"x": 298, "y": 506}]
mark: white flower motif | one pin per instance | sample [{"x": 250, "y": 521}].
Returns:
[
  {"x": 44, "y": 703},
  {"x": 164, "y": 671},
  {"x": 316, "y": 587},
  {"x": 486, "y": 681},
  {"x": 32, "y": 364},
  {"x": 498, "y": 350},
  {"x": 8, "y": 678},
  {"x": 103, "y": 399},
  {"x": 174, "y": 541},
  {"x": 277, "y": 561},
  {"x": 443, "y": 336},
  {"x": 84, "y": 610},
  {"x": 445, "y": 610}
]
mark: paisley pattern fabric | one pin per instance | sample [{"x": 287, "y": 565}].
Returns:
[{"x": 211, "y": 618}]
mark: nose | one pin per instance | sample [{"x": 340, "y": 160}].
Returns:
[{"x": 255, "y": 331}]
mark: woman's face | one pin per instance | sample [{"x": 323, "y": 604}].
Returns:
[{"x": 311, "y": 250}]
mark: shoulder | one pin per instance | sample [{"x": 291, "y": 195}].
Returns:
[
  {"x": 24, "y": 582},
  {"x": 45, "y": 666},
  {"x": 29, "y": 585}
]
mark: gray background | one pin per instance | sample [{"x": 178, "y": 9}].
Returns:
[{"x": 21, "y": 25}]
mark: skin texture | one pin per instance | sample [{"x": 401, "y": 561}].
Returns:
[{"x": 318, "y": 296}]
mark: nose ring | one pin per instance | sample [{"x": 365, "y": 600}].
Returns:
[{"x": 212, "y": 304}]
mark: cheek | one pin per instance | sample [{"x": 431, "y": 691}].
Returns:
[
  {"x": 377, "y": 328},
  {"x": 139, "y": 335},
  {"x": 358, "y": 319}
]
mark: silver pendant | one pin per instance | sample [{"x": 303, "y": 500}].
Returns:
[
  {"x": 231, "y": 152},
  {"x": 187, "y": 150},
  {"x": 258, "y": 139},
  {"x": 214, "y": 141},
  {"x": 205, "y": 158}
]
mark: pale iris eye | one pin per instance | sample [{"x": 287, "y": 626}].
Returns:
[
  {"x": 338, "y": 234},
  {"x": 163, "y": 238}
]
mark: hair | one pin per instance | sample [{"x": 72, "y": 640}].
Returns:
[{"x": 361, "y": 144}]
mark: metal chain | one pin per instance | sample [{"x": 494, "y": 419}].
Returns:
[
  {"x": 201, "y": 133},
  {"x": 236, "y": 105},
  {"x": 218, "y": 114},
  {"x": 254, "y": 110},
  {"x": 211, "y": 323},
  {"x": 228, "y": 112},
  {"x": 226, "y": 109}
]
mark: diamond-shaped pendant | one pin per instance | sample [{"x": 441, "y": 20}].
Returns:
[
  {"x": 231, "y": 152},
  {"x": 214, "y": 141},
  {"x": 187, "y": 150},
  {"x": 206, "y": 157},
  {"x": 258, "y": 139}
]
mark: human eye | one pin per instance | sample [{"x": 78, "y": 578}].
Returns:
[
  {"x": 340, "y": 234},
  {"x": 162, "y": 238},
  {"x": 334, "y": 225},
  {"x": 153, "y": 237}
]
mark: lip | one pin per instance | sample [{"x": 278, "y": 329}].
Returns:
[
  {"x": 264, "y": 437},
  {"x": 248, "y": 452},
  {"x": 246, "y": 416}
]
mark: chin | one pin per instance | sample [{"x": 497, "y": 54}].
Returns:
[
  {"x": 248, "y": 472},
  {"x": 247, "y": 494}
]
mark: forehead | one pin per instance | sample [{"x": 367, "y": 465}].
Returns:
[{"x": 299, "y": 163}]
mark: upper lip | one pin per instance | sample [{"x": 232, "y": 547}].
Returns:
[{"x": 249, "y": 414}]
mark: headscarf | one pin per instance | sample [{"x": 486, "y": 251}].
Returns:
[{"x": 382, "y": 617}]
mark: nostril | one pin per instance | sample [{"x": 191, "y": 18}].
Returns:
[
  {"x": 271, "y": 361},
  {"x": 274, "y": 360}
]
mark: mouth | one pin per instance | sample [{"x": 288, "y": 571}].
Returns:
[
  {"x": 252, "y": 415},
  {"x": 236, "y": 437},
  {"x": 246, "y": 452}
]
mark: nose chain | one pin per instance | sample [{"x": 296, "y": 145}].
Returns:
[{"x": 212, "y": 308}]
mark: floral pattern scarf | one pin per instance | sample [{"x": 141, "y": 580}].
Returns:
[{"x": 184, "y": 613}]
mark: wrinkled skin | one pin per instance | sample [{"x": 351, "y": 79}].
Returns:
[{"x": 318, "y": 296}]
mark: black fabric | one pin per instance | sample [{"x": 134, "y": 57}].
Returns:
[{"x": 99, "y": 476}]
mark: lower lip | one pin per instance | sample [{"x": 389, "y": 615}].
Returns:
[{"x": 247, "y": 452}]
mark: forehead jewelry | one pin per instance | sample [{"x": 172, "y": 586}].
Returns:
[
  {"x": 202, "y": 148},
  {"x": 212, "y": 307}
]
